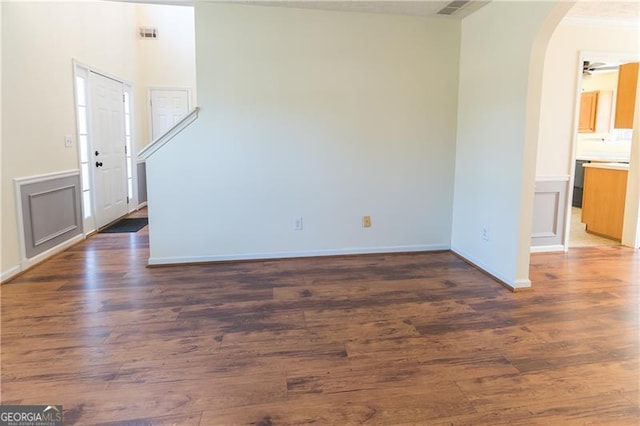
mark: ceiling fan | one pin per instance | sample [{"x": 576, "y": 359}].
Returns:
[{"x": 589, "y": 68}]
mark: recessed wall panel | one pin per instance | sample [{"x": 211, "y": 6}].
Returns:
[
  {"x": 51, "y": 215},
  {"x": 548, "y": 213},
  {"x": 51, "y": 211}
]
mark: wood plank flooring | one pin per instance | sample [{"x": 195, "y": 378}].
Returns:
[{"x": 400, "y": 339}]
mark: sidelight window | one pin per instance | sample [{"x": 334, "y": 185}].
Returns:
[
  {"x": 83, "y": 139},
  {"x": 127, "y": 136}
]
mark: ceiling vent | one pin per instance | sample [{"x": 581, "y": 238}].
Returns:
[
  {"x": 453, "y": 7},
  {"x": 148, "y": 32}
]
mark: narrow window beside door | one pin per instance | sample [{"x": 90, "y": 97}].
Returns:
[
  {"x": 128, "y": 148},
  {"x": 83, "y": 143}
]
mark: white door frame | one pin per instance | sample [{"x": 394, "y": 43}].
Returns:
[
  {"x": 81, "y": 69},
  {"x": 631, "y": 231},
  {"x": 150, "y": 108}
]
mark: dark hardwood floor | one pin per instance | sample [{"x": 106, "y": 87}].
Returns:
[{"x": 409, "y": 339}]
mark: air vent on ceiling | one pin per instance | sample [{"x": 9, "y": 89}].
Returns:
[
  {"x": 453, "y": 7},
  {"x": 148, "y": 32}
]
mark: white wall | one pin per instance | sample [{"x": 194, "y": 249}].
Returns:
[
  {"x": 39, "y": 41},
  {"x": 604, "y": 81},
  {"x": 494, "y": 157},
  {"x": 168, "y": 61},
  {"x": 631, "y": 228},
  {"x": 562, "y": 65},
  {"x": 1, "y": 149},
  {"x": 325, "y": 115}
]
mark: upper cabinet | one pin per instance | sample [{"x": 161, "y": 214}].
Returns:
[
  {"x": 588, "y": 108},
  {"x": 626, "y": 100},
  {"x": 595, "y": 111}
]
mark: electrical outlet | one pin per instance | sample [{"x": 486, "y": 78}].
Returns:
[
  {"x": 366, "y": 221},
  {"x": 68, "y": 141},
  {"x": 297, "y": 223},
  {"x": 485, "y": 233}
]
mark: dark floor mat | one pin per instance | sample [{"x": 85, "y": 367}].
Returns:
[{"x": 126, "y": 225}]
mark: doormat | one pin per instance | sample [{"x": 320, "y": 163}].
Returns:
[{"x": 126, "y": 225}]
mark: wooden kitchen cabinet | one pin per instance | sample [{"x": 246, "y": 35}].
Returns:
[
  {"x": 603, "y": 111},
  {"x": 588, "y": 110},
  {"x": 626, "y": 101},
  {"x": 603, "y": 200},
  {"x": 595, "y": 111}
]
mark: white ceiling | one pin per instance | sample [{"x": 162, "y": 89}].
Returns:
[
  {"x": 593, "y": 11},
  {"x": 606, "y": 12},
  {"x": 427, "y": 8}
]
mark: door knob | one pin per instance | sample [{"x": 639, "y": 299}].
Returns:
[
  {"x": 97, "y": 153},
  {"x": 98, "y": 164}
]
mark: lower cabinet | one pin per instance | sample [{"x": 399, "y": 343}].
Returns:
[{"x": 603, "y": 200}]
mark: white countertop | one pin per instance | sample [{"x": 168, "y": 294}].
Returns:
[
  {"x": 611, "y": 166},
  {"x": 604, "y": 158}
]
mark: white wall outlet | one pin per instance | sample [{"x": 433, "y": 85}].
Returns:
[
  {"x": 485, "y": 233},
  {"x": 68, "y": 141},
  {"x": 297, "y": 223}
]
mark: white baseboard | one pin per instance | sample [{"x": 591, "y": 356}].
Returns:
[
  {"x": 142, "y": 205},
  {"x": 521, "y": 283},
  {"x": 546, "y": 249},
  {"x": 511, "y": 284},
  {"x": 9, "y": 273},
  {"x": 28, "y": 263},
  {"x": 292, "y": 254}
]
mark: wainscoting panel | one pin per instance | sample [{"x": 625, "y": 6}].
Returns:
[
  {"x": 142, "y": 182},
  {"x": 50, "y": 211},
  {"x": 549, "y": 212}
]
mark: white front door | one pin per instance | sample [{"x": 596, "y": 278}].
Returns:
[
  {"x": 168, "y": 106},
  {"x": 108, "y": 156}
]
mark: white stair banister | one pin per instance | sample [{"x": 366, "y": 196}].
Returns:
[{"x": 161, "y": 140}]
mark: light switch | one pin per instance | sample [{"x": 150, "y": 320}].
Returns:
[{"x": 68, "y": 141}]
